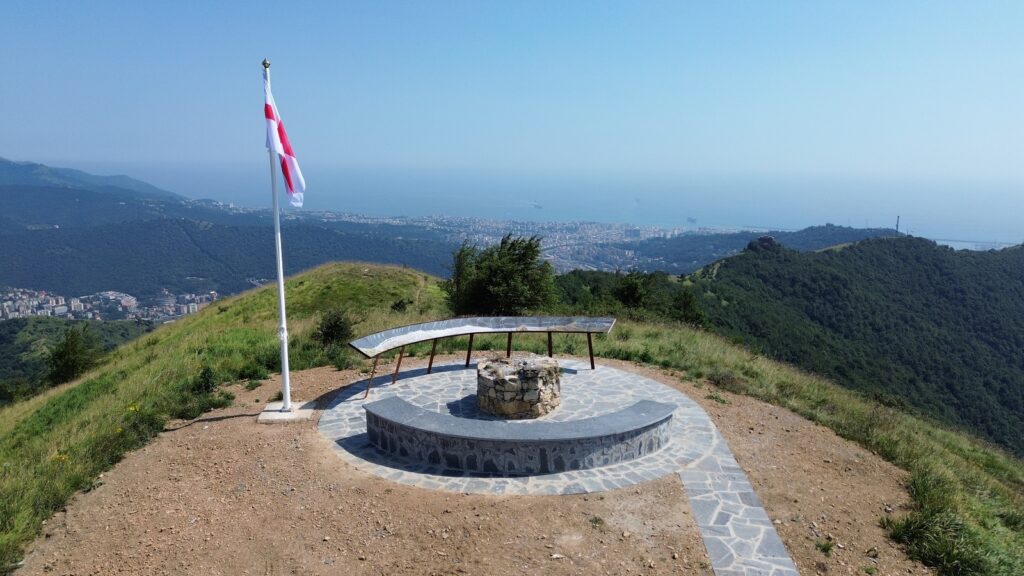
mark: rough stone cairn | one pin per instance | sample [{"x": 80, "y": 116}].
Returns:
[{"x": 517, "y": 388}]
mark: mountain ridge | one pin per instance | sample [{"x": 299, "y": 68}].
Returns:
[
  {"x": 686, "y": 253},
  {"x": 901, "y": 318},
  {"x": 35, "y": 174}
]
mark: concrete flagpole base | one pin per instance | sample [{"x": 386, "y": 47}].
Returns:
[{"x": 274, "y": 413}]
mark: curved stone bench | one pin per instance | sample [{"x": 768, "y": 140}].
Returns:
[
  {"x": 516, "y": 448},
  {"x": 373, "y": 345}
]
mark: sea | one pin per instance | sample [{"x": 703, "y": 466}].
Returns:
[{"x": 965, "y": 216}]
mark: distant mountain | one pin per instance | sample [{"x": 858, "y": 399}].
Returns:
[
  {"x": 900, "y": 318},
  {"x": 32, "y": 174},
  {"x": 688, "y": 252},
  {"x": 37, "y": 197},
  {"x": 41, "y": 207},
  {"x": 142, "y": 257}
]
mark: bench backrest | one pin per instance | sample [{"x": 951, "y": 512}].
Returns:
[{"x": 640, "y": 415}]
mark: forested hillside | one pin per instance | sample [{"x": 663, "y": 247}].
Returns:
[
  {"x": 25, "y": 345},
  {"x": 686, "y": 253},
  {"x": 46, "y": 207},
  {"x": 900, "y": 318},
  {"x": 143, "y": 257},
  {"x": 76, "y": 233}
]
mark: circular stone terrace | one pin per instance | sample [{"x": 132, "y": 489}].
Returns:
[
  {"x": 737, "y": 532},
  {"x": 451, "y": 390}
]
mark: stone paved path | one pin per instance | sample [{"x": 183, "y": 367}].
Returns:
[{"x": 737, "y": 532}]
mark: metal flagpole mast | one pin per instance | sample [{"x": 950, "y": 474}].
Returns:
[{"x": 282, "y": 331}]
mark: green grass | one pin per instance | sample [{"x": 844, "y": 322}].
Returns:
[
  {"x": 57, "y": 443},
  {"x": 716, "y": 397},
  {"x": 967, "y": 496},
  {"x": 825, "y": 546}
]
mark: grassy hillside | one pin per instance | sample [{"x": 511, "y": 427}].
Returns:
[
  {"x": 25, "y": 344},
  {"x": 903, "y": 319},
  {"x": 58, "y": 442},
  {"x": 969, "y": 497}
]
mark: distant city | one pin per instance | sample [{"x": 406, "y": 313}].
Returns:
[
  {"x": 108, "y": 305},
  {"x": 567, "y": 245}
]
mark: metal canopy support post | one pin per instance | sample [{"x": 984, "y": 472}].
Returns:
[
  {"x": 550, "y": 351},
  {"x": 373, "y": 371},
  {"x": 433, "y": 349},
  {"x": 508, "y": 346},
  {"x": 398, "y": 366},
  {"x": 590, "y": 348},
  {"x": 469, "y": 352}
]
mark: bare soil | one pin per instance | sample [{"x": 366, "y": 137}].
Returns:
[{"x": 223, "y": 495}]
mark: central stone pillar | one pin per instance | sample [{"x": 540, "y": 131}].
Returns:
[{"x": 517, "y": 388}]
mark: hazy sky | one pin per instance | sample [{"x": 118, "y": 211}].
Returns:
[{"x": 758, "y": 113}]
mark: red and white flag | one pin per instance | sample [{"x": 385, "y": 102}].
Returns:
[{"x": 277, "y": 140}]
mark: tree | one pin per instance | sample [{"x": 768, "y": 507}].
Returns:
[
  {"x": 508, "y": 278},
  {"x": 463, "y": 279},
  {"x": 685, "y": 307},
  {"x": 633, "y": 288},
  {"x": 77, "y": 351}
]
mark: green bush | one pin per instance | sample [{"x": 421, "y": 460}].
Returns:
[
  {"x": 726, "y": 379},
  {"x": 335, "y": 327},
  {"x": 508, "y": 278},
  {"x": 205, "y": 382}
]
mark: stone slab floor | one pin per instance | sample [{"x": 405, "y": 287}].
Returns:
[{"x": 737, "y": 532}]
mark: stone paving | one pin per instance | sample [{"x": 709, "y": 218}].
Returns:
[{"x": 739, "y": 536}]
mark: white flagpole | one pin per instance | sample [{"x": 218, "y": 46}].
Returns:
[{"x": 282, "y": 331}]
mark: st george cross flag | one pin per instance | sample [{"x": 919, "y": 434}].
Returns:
[{"x": 277, "y": 140}]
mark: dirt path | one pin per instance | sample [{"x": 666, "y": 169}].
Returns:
[{"x": 222, "y": 495}]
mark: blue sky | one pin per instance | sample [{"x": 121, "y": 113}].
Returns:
[{"x": 773, "y": 113}]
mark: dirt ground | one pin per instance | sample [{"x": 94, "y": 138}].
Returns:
[{"x": 223, "y": 495}]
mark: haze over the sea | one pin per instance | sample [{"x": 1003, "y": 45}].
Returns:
[{"x": 756, "y": 114}]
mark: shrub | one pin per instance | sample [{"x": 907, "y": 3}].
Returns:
[
  {"x": 335, "y": 327},
  {"x": 726, "y": 380},
  {"x": 508, "y": 278},
  {"x": 715, "y": 396},
  {"x": 825, "y": 546},
  {"x": 206, "y": 382},
  {"x": 253, "y": 372},
  {"x": 340, "y": 357}
]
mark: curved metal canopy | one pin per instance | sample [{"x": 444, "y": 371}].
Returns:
[{"x": 376, "y": 344}]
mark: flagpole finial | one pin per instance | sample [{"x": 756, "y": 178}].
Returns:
[{"x": 266, "y": 64}]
